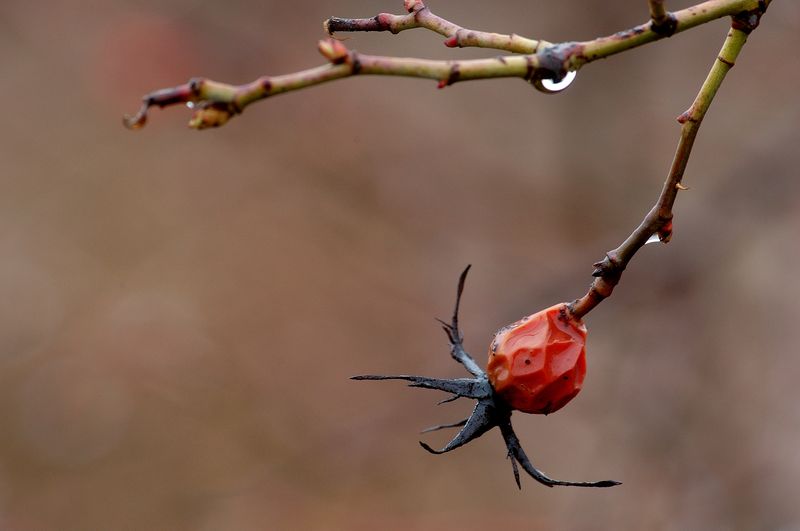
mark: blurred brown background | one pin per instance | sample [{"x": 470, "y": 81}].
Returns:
[{"x": 180, "y": 311}]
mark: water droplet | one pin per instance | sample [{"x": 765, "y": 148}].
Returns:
[
  {"x": 551, "y": 87},
  {"x": 190, "y": 104},
  {"x": 655, "y": 238}
]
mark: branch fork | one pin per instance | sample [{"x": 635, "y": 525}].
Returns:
[{"x": 532, "y": 60}]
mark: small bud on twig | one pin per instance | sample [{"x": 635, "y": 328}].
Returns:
[
  {"x": 333, "y": 50},
  {"x": 213, "y": 115}
]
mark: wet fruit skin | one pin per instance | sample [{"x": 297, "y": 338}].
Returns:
[{"x": 537, "y": 364}]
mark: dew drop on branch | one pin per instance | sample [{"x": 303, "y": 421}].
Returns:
[
  {"x": 654, "y": 238},
  {"x": 550, "y": 86}
]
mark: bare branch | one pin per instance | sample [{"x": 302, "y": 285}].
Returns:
[
  {"x": 420, "y": 16},
  {"x": 659, "y": 220},
  {"x": 215, "y": 103}
]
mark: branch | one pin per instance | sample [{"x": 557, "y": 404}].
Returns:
[
  {"x": 420, "y": 16},
  {"x": 658, "y": 222},
  {"x": 215, "y": 103}
]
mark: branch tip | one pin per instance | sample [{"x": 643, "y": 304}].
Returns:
[{"x": 138, "y": 120}]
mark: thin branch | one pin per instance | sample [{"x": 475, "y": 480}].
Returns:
[
  {"x": 420, "y": 16},
  {"x": 659, "y": 220},
  {"x": 215, "y": 103},
  {"x": 657, "y": 10}
]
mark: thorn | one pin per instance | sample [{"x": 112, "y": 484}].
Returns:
[
  {"x": 429, "y": 449},
  {"x": 448, "y": 400},
  {"x": 680, "y": 186},
  {"x": 445, "y": 426},
  {"x": 515, "y": 469},
  {"x": 599, "y": 268}
]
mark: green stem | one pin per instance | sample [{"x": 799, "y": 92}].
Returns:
[{"x": 659, "y": 219}]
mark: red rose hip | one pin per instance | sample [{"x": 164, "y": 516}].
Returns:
[{"x": 537, "y": 364}]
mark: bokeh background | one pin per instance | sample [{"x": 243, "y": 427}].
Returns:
[{"x": 180, "y": 311}]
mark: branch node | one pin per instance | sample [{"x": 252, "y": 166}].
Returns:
[
  {"x": 384, "y": 22},
  {"x": 195, "y": 85},
  {"x": 747, "y": 21},
  {"x": 355, "y": 62},
  {"x": 609, "y": 268},
  {"x": 530, "y": 70},
  {"x": 455, "y": 73},
  {"x": 554, "y": 61},
  {"x": 452, "y": 42},
  {"x": 722, "y": 60},
  {"x": 665, "y": 232},
  {"x": 665, "y": 26},
  {"x": 687, "y": 116}
]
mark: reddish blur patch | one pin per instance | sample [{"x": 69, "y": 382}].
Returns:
[{"x": 140, "y": 52}]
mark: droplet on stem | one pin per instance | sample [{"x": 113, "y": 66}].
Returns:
[
  {"x": 551, "y": 87},
  {"x": 655, "y": 238}
]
